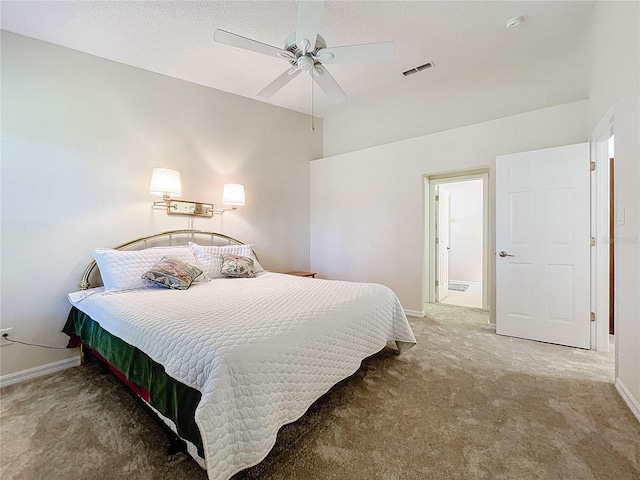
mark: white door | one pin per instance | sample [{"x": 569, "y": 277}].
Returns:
[
  {"x": 543, "y": 245},
  {"x": 442, "y": 243}
]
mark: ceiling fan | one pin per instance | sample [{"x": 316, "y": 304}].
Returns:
[{"x": 307, "y": 51}]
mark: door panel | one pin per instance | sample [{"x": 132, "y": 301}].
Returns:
[
  {"x": 543, "y": 230},
  {"x": 520, "y": 217}
]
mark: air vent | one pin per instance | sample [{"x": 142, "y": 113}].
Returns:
[{"x": 417, "y": 69}]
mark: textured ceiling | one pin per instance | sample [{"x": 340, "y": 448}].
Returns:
[{"x": 176, "y": 39}]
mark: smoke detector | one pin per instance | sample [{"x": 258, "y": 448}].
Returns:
[{"x": 513, "y": 22}]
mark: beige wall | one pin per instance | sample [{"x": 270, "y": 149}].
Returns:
[
  {"x": 613, "y": 56},
  {"x": 367, "y": 215},
  {"x": 486, "y": 94},
  {"x": 80, "y": 136}
]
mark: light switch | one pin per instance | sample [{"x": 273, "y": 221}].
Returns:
[{"x": 620, "y": 217}]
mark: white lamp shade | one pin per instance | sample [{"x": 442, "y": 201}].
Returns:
[
  {"x": 165, "y": 181},
  {"x": 233, "y": 194}
]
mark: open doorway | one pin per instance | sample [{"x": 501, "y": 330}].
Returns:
[{"x": 457, "y": 240}]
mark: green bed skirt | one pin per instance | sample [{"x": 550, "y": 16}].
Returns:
[{"x": 170, "y": 397}]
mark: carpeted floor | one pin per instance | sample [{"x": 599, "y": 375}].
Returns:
[{"x": 464, "y": 403}]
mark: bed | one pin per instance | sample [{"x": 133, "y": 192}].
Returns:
[{"x": 228, "y": 361}]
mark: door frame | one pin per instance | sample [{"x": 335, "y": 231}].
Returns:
[
  {"x": 600, "y": 218},
  {"x": 440, "y": 202},
  {"x": 429, "y": 273}
]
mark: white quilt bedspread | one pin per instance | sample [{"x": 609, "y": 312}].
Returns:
[{"x": 260, "y": 350}]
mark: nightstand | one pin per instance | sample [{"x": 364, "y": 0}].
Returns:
[{"x": 303, "y": 274}]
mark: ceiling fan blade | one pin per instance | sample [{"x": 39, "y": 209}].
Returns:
[
  {"x": 278, "y": 83},
  {"x": 234, "y": 40},
  {"x": 328, "y": 84},
  {"x": 309, "y": 17},
  {"x": 367, "y": 52}
]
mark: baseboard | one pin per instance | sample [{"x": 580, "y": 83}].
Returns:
[
  {"x": 632, "y": 403},
  {"x": 414, "y": 313},
  {"x": 36, "y": 372}
]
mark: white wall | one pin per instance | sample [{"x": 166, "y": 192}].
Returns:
[
  {"x": 465, "y": 234},
  {"x": 613, "y": 57},
  {"x": 80, "y": 136},
  {"x": 486, "y": 94},
  {"x": 367, "y": 207}
]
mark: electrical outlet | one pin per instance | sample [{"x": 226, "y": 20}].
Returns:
[{"x": 8, "y": 331}]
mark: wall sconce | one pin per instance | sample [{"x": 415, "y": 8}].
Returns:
[
  {"x": 233, "y": 194},
  {"x": 166, "y": 182}
]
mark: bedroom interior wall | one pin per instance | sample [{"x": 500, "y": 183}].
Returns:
[
  {"x": 429, "y": 104},
  {"x": 367, "y": 207},
  {"x": 80, "y": 136},
  {"x": 613, "y": 56}
]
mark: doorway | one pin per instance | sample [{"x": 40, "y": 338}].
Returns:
[{"x": 457, "y": 240}]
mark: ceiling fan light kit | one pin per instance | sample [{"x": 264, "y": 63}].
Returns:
[{"x": 307, "y": 51}]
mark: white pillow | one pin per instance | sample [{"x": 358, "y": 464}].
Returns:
[
  {"x": 209, "y": 257},
  {"x": 123, "y": 269},
  {"x": 208, "y": 260}
]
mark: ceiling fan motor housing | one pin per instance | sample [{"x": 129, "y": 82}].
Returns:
[
  {"x": 291, "y": 46},
  {"x": 305, "y": 63}
]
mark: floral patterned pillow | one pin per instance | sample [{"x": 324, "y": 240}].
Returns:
[
  {"x": 173, "y": 272},
  {"x": 236, "y": 266},
  {"x": 209, "y": 257}
]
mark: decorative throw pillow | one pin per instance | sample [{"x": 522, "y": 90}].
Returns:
[
  {"x": 236, "y": 266},
  {"x": 209, "y": 260},
  {"x": 121, "y": 270},
  {"x": 209, "y": 257},
  {"x": 173, "y": 272}
]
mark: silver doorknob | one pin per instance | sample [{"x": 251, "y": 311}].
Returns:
[{"x": 504, "y": 254}]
